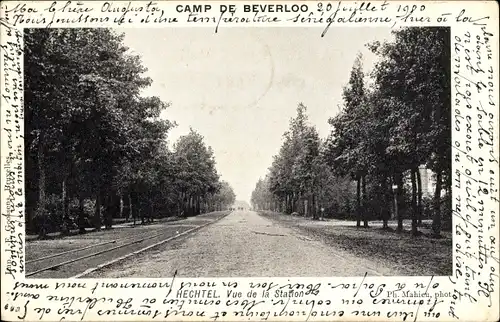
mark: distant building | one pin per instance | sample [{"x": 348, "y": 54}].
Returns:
[
  {"x": 240, "y": 205},
  {"x": 428, "y": 181}
]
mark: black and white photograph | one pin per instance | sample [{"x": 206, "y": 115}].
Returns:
[{"x": 253, "y": 152}]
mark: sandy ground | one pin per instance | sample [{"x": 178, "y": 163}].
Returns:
[{"x": 245, "y": 244}]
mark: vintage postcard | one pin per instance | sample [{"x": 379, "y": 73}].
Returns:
[{"x": 249, "y": 161}]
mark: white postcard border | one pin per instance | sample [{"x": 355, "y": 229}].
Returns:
[{"x": 470, "y": 294}]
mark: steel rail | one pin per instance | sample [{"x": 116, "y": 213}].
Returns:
[{"x": 90, "y": 255}]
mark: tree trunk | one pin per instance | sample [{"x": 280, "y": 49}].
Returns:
[
  {"x": 64, "y": 216},
  {"x": 182, "y": 205},
  {"x": 81, "y": 215},
  {"x": 111, "y": 205},
  {"x": 398, "y": 180},
  {"x": 185, "y": 205},
  {"x": 151, "y": 211},
  {"x": 190, "y": 206},
  {"x": 436, "y": 219},
  {"x": 309, "y": 206},
  {"x": 97, "y": 211},
  {"x": 42, "y": 202},
  {"x": 296, "y": 203},
  {"x": 385, "y": 212},
  {"x": 419, "y": 198},
  {"x": 121, "y": 206},
  {"x": 313, "y": 206},
  {"x": 141, "y": 209},
  {"x": 364, "y": 211},
  {"x": 358, "y": 202},
  {"x": 107, "y": 202},
  {"x": 31, "y": 188},
  {"x": 414, "y": 210},
  {"x": 63, "y": 198},
  {"x": 130, "y": 214},
  {"x": 133, "y": 206}
]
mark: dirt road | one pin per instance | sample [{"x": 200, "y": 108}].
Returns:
[{"x": 245, "y": 244}]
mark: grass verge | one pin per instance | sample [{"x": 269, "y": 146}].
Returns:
[{"x": 417, "y": 256}]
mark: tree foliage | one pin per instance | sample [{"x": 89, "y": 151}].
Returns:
[
  {"x": 92, "y": 137},
  {"x": 383, "y": 135}
]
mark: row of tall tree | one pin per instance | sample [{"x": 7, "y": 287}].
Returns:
[
  {"x": 95, "y": 147},
  {"x": 393, "y": 122}
]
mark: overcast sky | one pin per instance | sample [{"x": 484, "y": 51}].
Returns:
[{"x": 240, "y": 87}]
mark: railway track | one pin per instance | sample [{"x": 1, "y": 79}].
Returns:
[{"x": 81, "y": 261}]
